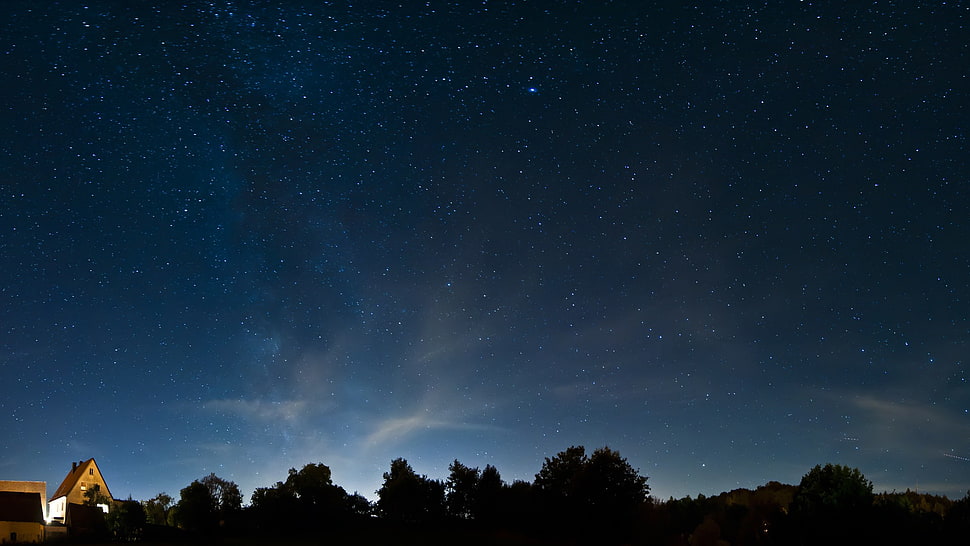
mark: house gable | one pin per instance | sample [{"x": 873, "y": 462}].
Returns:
[{"x": 84, "y": 476}]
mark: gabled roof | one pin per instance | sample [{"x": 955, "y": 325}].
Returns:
[
  {"x": 15, "y": 506},
  {"x": 74, "y": 476}
]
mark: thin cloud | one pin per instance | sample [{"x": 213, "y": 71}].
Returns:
[
  {"x": 398, "y": 429},
  {"x": 260, "y": 410}
]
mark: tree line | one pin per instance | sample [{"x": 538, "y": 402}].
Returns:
[{"x": 575, "y": 498}]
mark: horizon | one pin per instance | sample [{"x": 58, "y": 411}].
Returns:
[{"x": 247, "y": 489}]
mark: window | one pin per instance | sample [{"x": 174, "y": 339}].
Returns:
[
  {"x": 97, "y": 487},
  {"x": 90, "y": 472}
]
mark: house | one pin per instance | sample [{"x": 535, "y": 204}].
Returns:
[
  {"x": 84, "y": 477},
  {"x": 27, "y": 487},
  {"x": 21, "y": 517}
]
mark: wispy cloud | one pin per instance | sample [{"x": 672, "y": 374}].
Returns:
[
  {"x": 892, "y": 411},
  {"x": 399, "y": 429},
  {"x": 260, "y": 410},
  {"x": 911, "y": 416},
  {"x": 921, "y": 430}
]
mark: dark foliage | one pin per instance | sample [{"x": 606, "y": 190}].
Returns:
[
  {"x": 195, "y": 511},
  {"x": 157, "y": 509},
  {"x": 207, "y": 505},
  {"x": 305, "y": 501},
  {"x": 575, "y": 499},
  {"x": 406, "y": 497},
  {"x": 833, "y": 504},
  {"x": 126, "y": 520},
  {"x": 461, "y": 490},
  {"x": 592, "y": 496}
]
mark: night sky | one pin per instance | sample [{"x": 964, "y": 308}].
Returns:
[{"x": 729, "y": 241}]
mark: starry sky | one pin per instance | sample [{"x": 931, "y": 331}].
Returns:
[{"x": 727, "y": 239}]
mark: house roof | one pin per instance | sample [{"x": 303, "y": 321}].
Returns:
[
  {"x": 81, "y": 516},
  {"x": 16, "y": 506},
  {"x": 70, "y": 481}
]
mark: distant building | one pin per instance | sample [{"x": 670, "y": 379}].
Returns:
[
  {"x": 26, "y": 487},
  {"x": 21, "y": 516},
  {"x": 84, "y": 476}
]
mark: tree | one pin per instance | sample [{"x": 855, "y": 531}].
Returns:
[
  {"x": 832, "y": 489},
  {"x": 359, "y": 505},
  {"x": 274, "y": 507},
  {"x": 612, "y": 483},
  {"x": 306, "y": 499},
  {"x": 957, "y": 521},
  {"x": 225, "y": 494},
  {"x": 406, "y": 497},
  {"x": 196, "y": 509},
  {"x": 312, "y": 477},
  {"x": 95, "y": 497},
  {"x": 157, "y": 508},
  {"x": 559, "y": 475},
  {"x": 126, "y": 520},
  {"x": 461, "y": 488},
  {"x": 604, "y": 479},
  {"x": 832, "y": 504},
  {"x": 602, "y": 490},
  {"x": 489, "y": 495},
  {"x": 313, "y": 486}
]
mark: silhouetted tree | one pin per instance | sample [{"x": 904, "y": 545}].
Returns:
[
  {"x": 317, "y": 496},
  {"x": 490, "y": 496},
  {"x": 560, "y": 475},
  {"x": 461, "y": 489},
  {"x": 156, "y": 509},
  {"x": 225, "y": 494},
  {"x": 832, "y": 488},
  {"x": 359, "y": 505},
  {"x": 600, "y": 493},
  {"x": 612, "y": 486},
  {"x": 684, "y": 515},
  {"x": 306, "y": 500},
  {"x": 957, "y": 520},
  {"x": 406, "y": 497},
  {"x": 195, "y": 510},
  {"x": 273, "y": 508},
  {"x": 833, "y": 504},
  {"x": 126, "y": 520}
]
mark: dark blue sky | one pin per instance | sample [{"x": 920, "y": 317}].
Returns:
[{"x": 728, "y": 241}]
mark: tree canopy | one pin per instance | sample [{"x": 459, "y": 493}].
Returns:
[
  {"x": 603, "y": 479},
  {"x": 832, "y": 488},
  {"x": 832, "y": 503},
  {"x": 157, "y": 509},
  {"x": 596, "y": 491},
  {"x": 576, "y": 497},
  {"x": 195, "y": 509},
  {"x": 206, "y": 503},
  {"x": 408, "y": 497}
]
